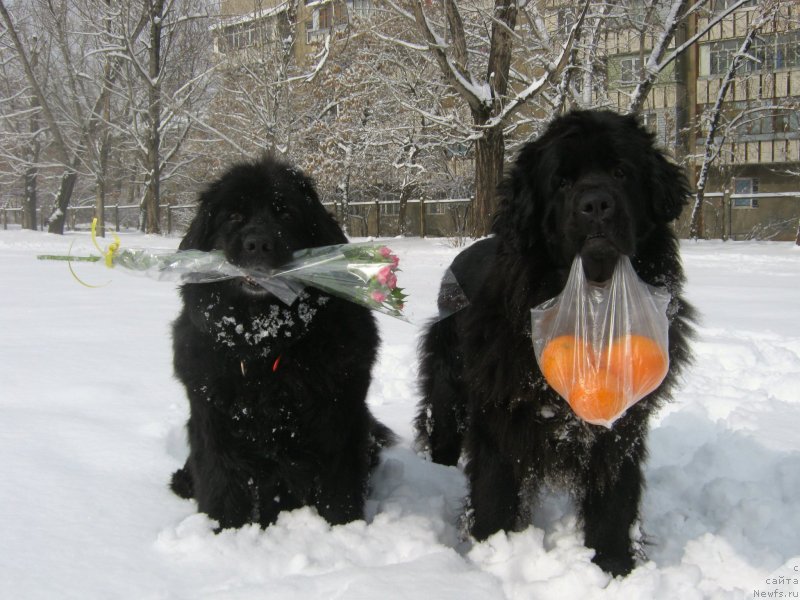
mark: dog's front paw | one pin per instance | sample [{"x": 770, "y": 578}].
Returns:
[{"x": 614, "y": 564}]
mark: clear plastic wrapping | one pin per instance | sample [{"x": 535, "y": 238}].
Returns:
[
  {"x": 603, "y": 347},
  {"x": 364, "y": 273}
]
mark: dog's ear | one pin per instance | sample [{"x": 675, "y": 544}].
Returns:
[
  {"x": 324, "y": 229},
  {"x": 197, "y": 236},
  {"x": 670, "y": 187},
  {"x": 519, "y": 201}
]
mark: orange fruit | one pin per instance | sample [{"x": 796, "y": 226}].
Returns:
[
  {"x": 639, "y": 360},
  {"x": 600, "y": 386},
  {"x": 557, "y": 361},
  {"x": 597, "y": 396}
]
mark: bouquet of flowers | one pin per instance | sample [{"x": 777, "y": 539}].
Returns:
[{"x": 364, "y": 273}]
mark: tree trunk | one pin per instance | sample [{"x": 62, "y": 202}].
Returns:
[
  {"x": 490, "y": 147},
  {"x": 30, "y": 201},
  {"x": 401, "y": 215},
  {"x": 102, "y": 172},
  {"x": 103, "y": 138},
  {"x": 55, "y": 224},
  {"x": 696, "y": 226},
  {"x": 489, "y": 156},
  {"x": 100, "y": 204},
  {"x": 152, "y": 196}
]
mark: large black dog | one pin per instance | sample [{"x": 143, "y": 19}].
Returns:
[
  {"x": 592, "y": 185},
  {"x": 277, "y": 393}
]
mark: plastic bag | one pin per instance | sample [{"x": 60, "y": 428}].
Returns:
[{"x": 603, "y": 347}]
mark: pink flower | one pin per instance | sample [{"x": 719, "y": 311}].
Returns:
[
  {"x": 379, "y": 297},
  {"x": 387, "y": 253},
  {"x": 383, "y": 274},
  {"x": 386, "y": 277}
]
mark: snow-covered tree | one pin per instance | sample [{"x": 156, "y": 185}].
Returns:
[
  {"x": 23, "y": 136},
  {"x": 166, "y": 73},
  {"x": 494, "y": 66},
  {"x": 117, "y": 70}
]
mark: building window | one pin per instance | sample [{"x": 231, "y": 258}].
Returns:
[
  {"x": 787, "y": 50},
  {"x": 320, "y": 24},
  {"x": 721, "y": 56},
  {"x": 745, "y": 185},
  {"x": 325, "y": 17},
  {"x": 248, "y": 34},
  {"x": 723, "y": 5},
  {"x": 787, "y": 122},
  {"x": 630, "y": 69},
  {"x": 767, "y": 53},
  {"x": 359, "y": 8}
]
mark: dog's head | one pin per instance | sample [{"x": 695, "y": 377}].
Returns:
[
  {"x": 258, "y": 214},
  {"x": 593, "y": 184}
]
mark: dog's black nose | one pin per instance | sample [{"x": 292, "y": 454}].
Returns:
[
  {"x": 595, "y": 207},
  {"x": 257, "y": 245}
]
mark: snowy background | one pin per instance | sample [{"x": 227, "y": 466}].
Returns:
[{"x": 91, "y": 427}]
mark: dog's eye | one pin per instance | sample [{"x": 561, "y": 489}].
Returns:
[
  {"x": 564, "y": 183},
  {"x": 236, "y": 217},
  {"x": 619, "y": 173},
  {"x": 283, "y": 213}
]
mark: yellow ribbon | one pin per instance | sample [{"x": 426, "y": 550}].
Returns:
[
  {"x": 75, "y": 275},
  {"x": 112, "y": 249},
  {"x": 107, "y": 254}
]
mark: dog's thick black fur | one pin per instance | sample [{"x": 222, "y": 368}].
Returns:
[
  {"x": 592, "y": 185},
  {"x": 278, "y": 417}
]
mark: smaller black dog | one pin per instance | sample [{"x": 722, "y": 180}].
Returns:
[{"x": 278, "y": 418}]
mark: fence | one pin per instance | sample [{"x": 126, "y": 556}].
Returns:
[
  {"x": 121, "y": 216},
  {"x": 763, "y": 216},
  {"x": 446, "y": 217},
  {"x": 748, "y": 216},
  {"x": 437, "y": 218}
]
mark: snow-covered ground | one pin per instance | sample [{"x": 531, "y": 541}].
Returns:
[{"x": 91, "y": 427}]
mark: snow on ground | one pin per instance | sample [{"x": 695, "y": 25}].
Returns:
[{"x": 91, "y": 426}]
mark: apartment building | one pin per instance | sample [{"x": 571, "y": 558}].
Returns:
[
  {"x": 756, "y": 166},
  {"x": 249, "y": 24}
]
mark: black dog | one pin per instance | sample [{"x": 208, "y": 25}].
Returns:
[
  {"x": 592, "y": 185},
  {"x": 277, "y": 393}
]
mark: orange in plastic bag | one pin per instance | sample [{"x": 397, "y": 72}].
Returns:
[
  {"x": 644, "y": 357},
  {"x": 603, "y": 347},
  {"x": 597, "y": 396},
  {"x": 558, "y": 362}
]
